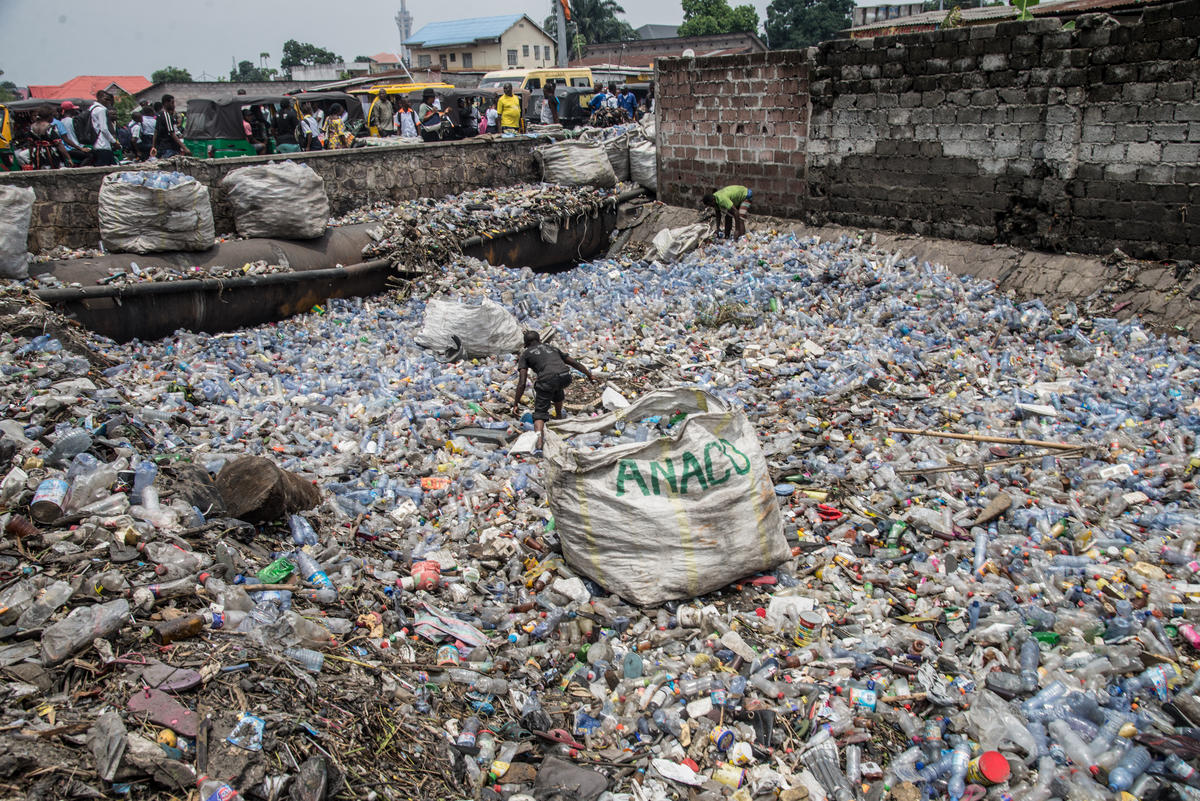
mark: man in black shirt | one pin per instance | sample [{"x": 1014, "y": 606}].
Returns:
[
  {"x": 552, "y": 367},
  {"x": 167, "y": 140}
]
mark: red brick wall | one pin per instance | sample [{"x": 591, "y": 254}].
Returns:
[{"x": 734, "y": 120}]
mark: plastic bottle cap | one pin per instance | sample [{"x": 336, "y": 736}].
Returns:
[{"x": 994, "y": 767}]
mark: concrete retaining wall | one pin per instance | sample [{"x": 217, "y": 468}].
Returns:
[
  {"x": 1022, "y": 133},
  {"x": 65, "y": 212}
]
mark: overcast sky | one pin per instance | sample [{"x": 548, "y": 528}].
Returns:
[{"x": 52, "y": 41}]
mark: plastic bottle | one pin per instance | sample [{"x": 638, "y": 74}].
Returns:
[
  {"x": 311, "y": 571},
  {"x": 81, "y": 627},
  {"x": 1028, "y": 660},
  {"x": 173, "y": 561},
  {"x": 1158, "y": 679},
  {"x": 467, "y": 737},
  {"x": 903, "y": 768},
  {"x": 302, "y": 531},
  {"x": 143, "y": 477},
  {"x": 1132, "y": 765},
  {"x": 180, "y": 628},
  {"x": 1182, "y": 770},
  {"x": 956, "y": 785},
  {"x": 68, "y": 446},
  {"x": 310, "y": 633},
  {"x": 215, "y": 790},
  {"x": 311, "y": 660}
]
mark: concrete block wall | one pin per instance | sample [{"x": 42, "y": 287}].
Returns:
[
  {"x": 735, "y": 120},
  {"x": 1023, "y": 133},
  {"x": 66, "y": 209}
]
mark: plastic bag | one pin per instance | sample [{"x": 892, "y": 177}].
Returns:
[
  {"x": 647, "y": 126},
  {"x": 670, "y": 244},
  {"x": 617, "y": 150},
  {"x": 487, "y": 329},
  {"x": 285, "y": 201},
  {"x": 576, "y": 164},
  {"x": 148, "y": 212},
  {"x": 643, "y": 165},
  {"x": 669, "y": 518},
  {"x": 16, "y": 209}
]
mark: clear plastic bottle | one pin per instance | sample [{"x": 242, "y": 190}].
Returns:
[
  {"x": 68, "y": 446},
  {"x": 173, "y": 560},
  {"x": 302, "y": 531},
  {"x": 1132, "y": 765},
  {"x": 81, "y": 627},
  {"x": 1028, "y": 660},
  {"x": 143, "y": 477},
  {"x": 311, "y": 570},
  {"x": 956, "y": 784},
  {"x": 311, "y": 660}
]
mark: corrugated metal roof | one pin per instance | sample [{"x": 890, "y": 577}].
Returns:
[
  {"x": 462, "y": 31},
  {"x": 932, "y": 19}
]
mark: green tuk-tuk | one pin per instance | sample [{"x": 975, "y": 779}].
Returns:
[{"x": 213, "y": 128}]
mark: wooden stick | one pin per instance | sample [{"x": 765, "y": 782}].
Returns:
[
  {"x": 958, "y": 468},
  {"x": 918, "y": 432}
]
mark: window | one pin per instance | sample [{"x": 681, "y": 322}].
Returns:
[
  {"x": 525, "y": 51},
  {"x": 424, "y": 61},
  {"x": 512, "y": 58},
  {"x": 581, "y": 82},
  {"x": 468, "y": 61},
  {"x": 442, "y": 59},
  {"x": 533, "y": 83},
  {"x": 537, "y": 51},
  {"x": 452, "y": 57}
]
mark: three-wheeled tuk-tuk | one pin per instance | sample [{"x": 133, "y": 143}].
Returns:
[{"x": 214, "y": 129}]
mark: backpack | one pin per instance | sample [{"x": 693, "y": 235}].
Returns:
[{"x": 85, "y": 132}]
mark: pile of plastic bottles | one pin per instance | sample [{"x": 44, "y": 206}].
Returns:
[
  {"x": 153, "y": 179},
  {"x": 429, "y": 231},
  {"x": 961, "y": 618}
]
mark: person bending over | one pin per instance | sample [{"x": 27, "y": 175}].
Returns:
[
  {"x": 552, "y": 367},
  {"x": 731, "y": 203}
]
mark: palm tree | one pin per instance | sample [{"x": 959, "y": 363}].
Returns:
[
  {"x": 262, "y": 59},
  {"x": 595, "y": 20}
]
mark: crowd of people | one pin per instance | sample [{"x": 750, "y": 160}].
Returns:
[
  {"x": 69, "y": 135},
  {"x": 52, "y": 137},
  {"x": 437, "y": 119}
]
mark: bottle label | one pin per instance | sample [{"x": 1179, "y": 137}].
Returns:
[
  {"x": 222, "y": 793},
  {"x": 864, "y": 699}
]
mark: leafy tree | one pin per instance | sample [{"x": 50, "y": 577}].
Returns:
[
  {"x": 8, "y": 91},
  {"x": 246, "y": 72},
  {"x": 303, "y": 54},
  {"x": 363, "y": 58},
  {"x": 707, "y": 17},
  {"x": 595, "y": 20},
  {"x": 173, "y": 74},
  {"x": 793, "y": 24}
]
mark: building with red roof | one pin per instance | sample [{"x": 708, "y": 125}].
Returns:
[{"x": 88, "y": 85}]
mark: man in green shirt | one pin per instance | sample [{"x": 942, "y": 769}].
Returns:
[{"x": 731, "y": 203}]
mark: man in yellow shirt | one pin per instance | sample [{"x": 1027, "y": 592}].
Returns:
[{"x": 509, "y": 107}]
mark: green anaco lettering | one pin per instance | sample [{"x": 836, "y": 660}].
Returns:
[{"x": 688, "y": 473}]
